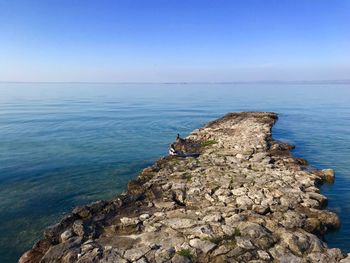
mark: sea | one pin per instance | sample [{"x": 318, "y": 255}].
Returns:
[{"x": 68, "y": 144}]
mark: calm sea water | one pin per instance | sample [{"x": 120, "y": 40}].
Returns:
[{"x": 63, "y": 145}]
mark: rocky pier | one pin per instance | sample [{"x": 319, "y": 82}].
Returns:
[{"x": 242, "y": 198}]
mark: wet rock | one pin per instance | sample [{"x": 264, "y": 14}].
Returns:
[
  {"x": 328, "y": 175},
  {"x": 82, "y": 211},
  {"x": 322, "y": 200},
  {"x": 313, "y": 225},
  {"x": 329, "y": 219}
]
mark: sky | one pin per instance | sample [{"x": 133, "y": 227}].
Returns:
[{"x": 174, "y": 40}]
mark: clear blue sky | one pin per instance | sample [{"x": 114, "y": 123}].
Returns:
[{"x": 174, "y": 40}]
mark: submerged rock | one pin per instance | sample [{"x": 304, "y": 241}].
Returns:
[
  {"x": 232, "y": 194},
  {"x": 328, "y": 175}
]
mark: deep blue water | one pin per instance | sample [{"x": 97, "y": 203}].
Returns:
[{"x": 63, "y": 145}]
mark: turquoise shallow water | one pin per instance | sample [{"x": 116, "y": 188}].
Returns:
[{"x": 63, "y": 145}]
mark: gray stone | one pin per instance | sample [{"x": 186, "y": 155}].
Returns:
[
  {"x": 180, "y": 259},
  {"x": 213, "y": 218},
  {"x": 142, "y": 260},
  {"x": 67, "y": 235},
  {"x": 346, "y": 259},
  {"x": 245, "y": 198},
  {"x": 263, "y": 255},
  {"x": 112, "y": 257},
  {"x": 244, "y": 201},
  {"x": 136, "y": 253},
  {"x": 178, "y": 223},
  {"x": 79, "y": 228},
  {"x": 204, "y": 245},
  {"x": 244, "y": 243},
  {"x": 239, "y": 191},
  {"x": 127, "y": 221},
  {"x": 143, "y": 217}
]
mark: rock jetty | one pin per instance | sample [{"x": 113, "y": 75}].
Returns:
[{"x": 245, "y": 198}]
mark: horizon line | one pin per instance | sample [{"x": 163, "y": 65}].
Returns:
[{"x": 338, "y": 81}]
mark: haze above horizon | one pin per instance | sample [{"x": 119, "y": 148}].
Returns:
[{"x": 174, "y": 41}]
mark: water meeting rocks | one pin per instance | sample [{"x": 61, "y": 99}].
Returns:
[{"x": 245, "y": 198}]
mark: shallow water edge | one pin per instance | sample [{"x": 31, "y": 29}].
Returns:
[{"x": 244, "y": 198}]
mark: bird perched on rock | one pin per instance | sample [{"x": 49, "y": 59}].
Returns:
[
  {"x": 179, "y": 139},
  {"x": 184, "y": 147}
]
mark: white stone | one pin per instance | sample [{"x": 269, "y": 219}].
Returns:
[{"x": 204, "y": 245}]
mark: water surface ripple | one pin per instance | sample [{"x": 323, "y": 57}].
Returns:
[{"x": 63, "y": 145}]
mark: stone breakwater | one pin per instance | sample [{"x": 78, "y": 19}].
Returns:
[{"x": 245, "y": 198}]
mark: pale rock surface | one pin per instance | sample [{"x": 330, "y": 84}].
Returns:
[{"x": 245, "y": 198}]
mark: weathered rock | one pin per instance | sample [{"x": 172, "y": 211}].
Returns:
[
  {"x": 213, "y": 218},
  {"x": 82, "y": 211},
  {"x": 244, "y": 243},
  {"x": 136, "y": 253},
  {"x": 346, "y": 260},
  {"x": 244, "y": 202},
  {"x": 112, "y": 257},
  {"x": 126, "y": 221},
  {"x": 178, "y": 223},
  {"x": 297, "y": 242},
  {"x": 164, "y": 255},
  {"x": 204, "y": 245},
  {"x": 180, "y": 259},
  {"x": 263, "y": 255},
  {"x": 79, "y": 228},
  {"x": 67, "y": 235},
  {"x": 244, "y": 198},
  {"x": 224, "y": 249},
  {"x": 328, "y": 175},
  {"x": 59, "y": 252}
]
